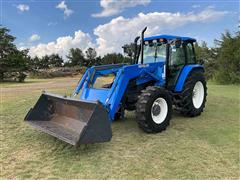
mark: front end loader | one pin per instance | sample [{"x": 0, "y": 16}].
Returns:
[{"x": 163, "y": 75}]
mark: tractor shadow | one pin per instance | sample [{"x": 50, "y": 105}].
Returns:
[{"x": 125, "y": 131}]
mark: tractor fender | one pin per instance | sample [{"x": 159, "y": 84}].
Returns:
[{"x": 184, "y": 74}]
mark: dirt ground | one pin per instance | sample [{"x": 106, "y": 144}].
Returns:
[{"x": 39, "y": 85}]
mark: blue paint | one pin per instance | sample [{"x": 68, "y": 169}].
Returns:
[
  {"x": 95, "y": 94},
  {"x": 112, "y": 97},
  {"x": 169, "y": 38},
  {"x": 185, "y": 71},
  {"x": 124, "y": 73}
]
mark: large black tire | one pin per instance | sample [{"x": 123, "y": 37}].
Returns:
[
  {"x": 184, "y": 101},
  {"x": 144, "y": 112}
]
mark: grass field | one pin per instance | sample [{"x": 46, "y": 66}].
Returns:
[{"x": 205, "y": 147}]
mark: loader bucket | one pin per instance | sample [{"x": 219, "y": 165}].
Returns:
[{"x": 71, "y": 120}]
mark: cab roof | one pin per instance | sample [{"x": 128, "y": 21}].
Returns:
[{"x": 169, "y": 38}]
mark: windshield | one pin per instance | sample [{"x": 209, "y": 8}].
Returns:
[{"x": 154, "y": 52}]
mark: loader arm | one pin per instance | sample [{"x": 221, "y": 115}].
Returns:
[{"x": 111, "y": 97}]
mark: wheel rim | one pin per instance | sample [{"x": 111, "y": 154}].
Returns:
[
  {"x": 159, "y": 110},
  {"x": 198, "y": 94}
]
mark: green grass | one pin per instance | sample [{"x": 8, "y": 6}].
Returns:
[{"x": 205, "y": 147}]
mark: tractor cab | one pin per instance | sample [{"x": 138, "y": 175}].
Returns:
[{"x": 174, "y": 50}]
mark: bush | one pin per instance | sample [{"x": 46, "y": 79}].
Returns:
[{"x": 15, "y": 76}]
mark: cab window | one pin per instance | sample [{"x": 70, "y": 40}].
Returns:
[
  {"x": 154, "y": 52},
  {"x": 177, "y": 57},
  {"x": 190, "y": 54}
]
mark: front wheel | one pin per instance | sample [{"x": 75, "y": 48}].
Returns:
[{"x": 154, "y": 109}]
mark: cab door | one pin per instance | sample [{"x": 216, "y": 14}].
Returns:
[
  {"x": 176, "y": 61},
  {"x": 190, "y": 54}
]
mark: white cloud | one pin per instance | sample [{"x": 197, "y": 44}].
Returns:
[
  {"x": 52, "y": 24},
  {"x": 119, "y": 31},
  {"x": 196, "y": 6},
  {"x": 23, "y": 7},
  {"x": 34, "y": 37},
  {"x": 113, "y": 7},
  {"x": 62, "y": 45},
  {"x": 63, "y": 6}
]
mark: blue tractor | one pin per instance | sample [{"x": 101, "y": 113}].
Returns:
[{"x": 163, "y": 75}]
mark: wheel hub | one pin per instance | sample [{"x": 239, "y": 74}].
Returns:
[
  {"x": 194, "y": 93},
  {"x": 156, "y": 110},
  {"x": 159, "y": 110}
]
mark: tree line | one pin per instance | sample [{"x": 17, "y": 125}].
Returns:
[
  {"x": 14, "y": 63},
  {"x": 222, "y": 62}
]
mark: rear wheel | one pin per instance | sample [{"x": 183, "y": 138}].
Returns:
[
  {"x": 118, "y": 115},
  {"x": 154, "y": 109},
  {"x": 191, "y": 101}
]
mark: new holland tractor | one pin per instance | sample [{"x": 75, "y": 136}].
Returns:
[{"x": 163, "y": 75}]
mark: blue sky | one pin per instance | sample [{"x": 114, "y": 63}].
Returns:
[{"x": 51, "y": 26}]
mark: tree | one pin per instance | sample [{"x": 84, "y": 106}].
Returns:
[
  {"x": 98, "y": 60},
  {"x": 35, "y": 63},
  {"x": 208, "y": 55},
  {"x": 6, "y": 42},
  {"x": 91, "y": 55},
  {"x": 228, "y": 58},
  {"x": 44, "y": 62},
  {"x": 129, "y": 50},
  {"x": 55, "y": 60},
  {"x": 17, "y": 64},
  {"x": 6, "y": 47},
  {"x": 13, "y": 62},
  {"x": 76, "y": 57},
  {"x": 114, "y": 58}
]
